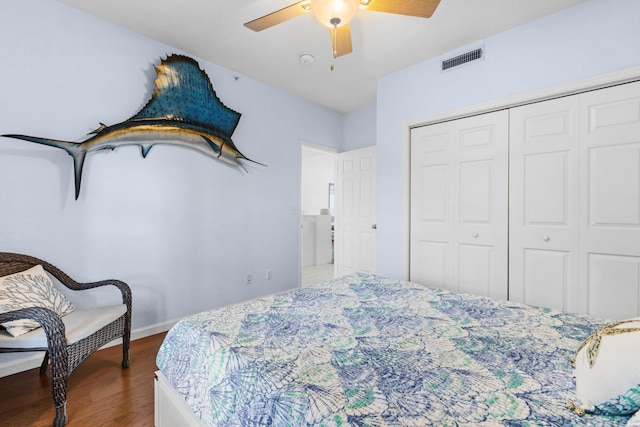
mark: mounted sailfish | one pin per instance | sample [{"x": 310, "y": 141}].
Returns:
[{"x": 183, "y": 110}]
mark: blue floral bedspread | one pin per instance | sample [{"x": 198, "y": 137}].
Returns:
[{"x": 368, "y": 351}]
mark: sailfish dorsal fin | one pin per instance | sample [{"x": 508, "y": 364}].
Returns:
[{"x": 184, "y": 92}]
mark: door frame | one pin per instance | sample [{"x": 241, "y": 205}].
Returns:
[
  {"x": 316, "y": 147},
  {"x": 571, "y": 88}
]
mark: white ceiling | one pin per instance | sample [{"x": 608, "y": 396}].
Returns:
[{"x": 382, "y": 43}]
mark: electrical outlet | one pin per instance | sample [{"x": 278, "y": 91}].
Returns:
[
  {"x": 269, "y": 274},
  {"x": 249, "y": 279}
]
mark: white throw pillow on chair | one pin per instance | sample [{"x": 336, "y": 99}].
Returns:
[{"x": 30, "y": 288}]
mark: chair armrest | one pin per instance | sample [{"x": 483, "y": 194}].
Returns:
[
  {"x": 122, "y": 286},
  {"x": 50, "y": 321},
  {"x": 70, "y": 283},
  {"x": 125, "y": 290}
]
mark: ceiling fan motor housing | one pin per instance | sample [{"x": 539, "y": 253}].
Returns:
[{"x": 334, "y": 13}]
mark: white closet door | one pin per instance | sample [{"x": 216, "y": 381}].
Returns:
[
  {"x": 544, "y": 204},
  {"x": 459, "y": 182},
  {"x": 356, "y": 241},
  {"x": 610, "y": 201}
]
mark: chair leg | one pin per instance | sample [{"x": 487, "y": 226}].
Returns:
[
  {"x": 59, "y": 376},
  {"x": 61, "y": 415},
  {"x": 45, "y": 363},
  {"x": 126, "y": 343}
]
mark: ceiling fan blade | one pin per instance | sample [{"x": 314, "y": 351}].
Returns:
[
  {"x": 279, "y": 16},
  {"x": 419, "y": 8},
  {"x": 341, "y": 40}
]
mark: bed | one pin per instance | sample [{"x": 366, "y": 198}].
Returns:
[{"x": 363, "y": 350}]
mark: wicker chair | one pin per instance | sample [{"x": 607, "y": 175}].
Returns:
[{"x": 66, "y": 348}]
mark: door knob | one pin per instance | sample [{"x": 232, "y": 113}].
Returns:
[
  {"x": 546, "y": 238},
  {"x": 475, "y": 235}
]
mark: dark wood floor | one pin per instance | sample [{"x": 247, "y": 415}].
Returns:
[{"x": 100, "y": 392}]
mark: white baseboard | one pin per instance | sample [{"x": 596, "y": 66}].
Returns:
[
  {"x": 152, "y": 330},
  {"x": 33, "y": 360}
]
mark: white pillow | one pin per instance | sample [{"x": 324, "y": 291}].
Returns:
[
  {"x": 634, "y": 421},
  {"x": 607, "y": 371},
  {"x": 30, "y": 288}
]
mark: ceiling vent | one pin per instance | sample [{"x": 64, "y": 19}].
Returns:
[{"x": 456, "y": 61}]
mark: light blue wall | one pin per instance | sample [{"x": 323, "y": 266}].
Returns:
[
  {"x": 594, "y": 37},
  {"x": 182, "y": 229},
  {"x": 359, "y": 129}
]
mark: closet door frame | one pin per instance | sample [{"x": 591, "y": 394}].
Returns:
[{"x": 592, "y": 83}]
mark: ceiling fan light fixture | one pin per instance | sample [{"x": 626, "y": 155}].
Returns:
[{"x": 334, "y": 13}]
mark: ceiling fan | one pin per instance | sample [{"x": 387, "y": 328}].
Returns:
[{"x": 336, "y": 15}]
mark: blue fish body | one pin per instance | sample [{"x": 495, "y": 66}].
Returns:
[{"x": 184, "y": 110}]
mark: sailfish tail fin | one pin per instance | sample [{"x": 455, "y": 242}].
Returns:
[{"x": 75, "y": 150}]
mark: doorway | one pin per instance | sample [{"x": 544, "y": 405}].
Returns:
[{"x": 317, "y": 213}]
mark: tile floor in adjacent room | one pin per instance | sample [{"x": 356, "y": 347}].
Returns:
[{"x": 317, "y": 273}]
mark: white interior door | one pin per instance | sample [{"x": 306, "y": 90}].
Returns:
[
  {"x": 575, "y": 203},
  {"x": 355, "y": 243},
  {"x": 610, "y": 201},
  {"x": 459, "y": 206},
  {"x": 544, "y": 204}
]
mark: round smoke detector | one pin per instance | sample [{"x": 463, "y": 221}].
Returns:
[{"x": 306, "y": 59}]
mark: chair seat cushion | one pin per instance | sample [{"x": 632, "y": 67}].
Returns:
[{"x": 79, "y": 324}]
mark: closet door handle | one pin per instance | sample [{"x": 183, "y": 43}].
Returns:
[
  {"x": 546, "y": 238},
  {"x": 475, "y": 235}
]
